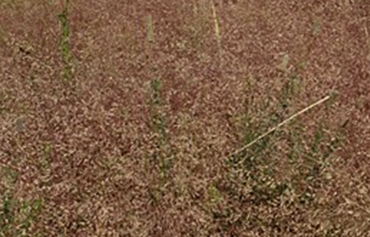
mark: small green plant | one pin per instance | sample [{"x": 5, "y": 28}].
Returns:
[
  {"x": 291, "y": 86},
  {"x": 158, "y": 122},
  {"x": 257, "y": 176},
  {"x": 44, "y": 161},
  {"x": 6, "y": 215},
  {"x": 157, "y": 118},
  {"x": 16, "y": 217},
  {"x": 196, "y": 26},
  {"x": 316, "y": 26},
  {"x": 65, "y": 47},
  {"x": 150, "y": 29},
  {"x": 216, "y": 27},
  {"x": 283, "y": 66},
  {"x": 214, "y": 194},
  {"x": 3, "y": 36},
  {"x": 9, "y": 175},
  {"x": 288, "y": 92}
]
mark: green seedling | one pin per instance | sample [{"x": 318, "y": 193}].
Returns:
[
  {"x": 3, "y": 36},
  {"x": 159, "y": 125},
  {"x": 283, "y": 66},
  {"x": 216, "y": 26},
  {"x": 6, "y": 214},
  {"x": 281, "y": 124},
  {"x": 10, "y": 175},
  {"x": 16, "y": 217},
  {"x": 316, "y": 26},
  {"x": 150, "y": 29},
  {"x": 45, "y": 158},
  {"x": 64, "y": 45},
  {"x": 214, "y": 194}
]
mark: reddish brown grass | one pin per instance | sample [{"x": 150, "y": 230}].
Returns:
[{"x": 104, "y": 153}]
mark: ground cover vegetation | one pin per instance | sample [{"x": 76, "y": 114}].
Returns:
[{"x": 184, "y": 118}]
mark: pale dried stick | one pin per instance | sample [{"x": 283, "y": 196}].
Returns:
[{"x": 280, "y": 125}]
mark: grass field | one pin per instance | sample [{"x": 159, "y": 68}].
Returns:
[{"x": 184, "y": 118}]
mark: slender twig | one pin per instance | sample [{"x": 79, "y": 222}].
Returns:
[{"x": 280, "y": 125}]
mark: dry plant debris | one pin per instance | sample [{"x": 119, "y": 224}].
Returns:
[{"x": 118, "y": 118}]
